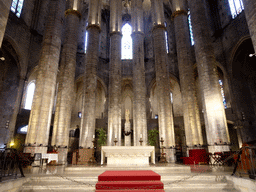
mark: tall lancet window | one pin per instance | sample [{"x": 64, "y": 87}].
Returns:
[
  {"x": 17, "y": 7},
  {"x": 85, "y": 41},
  {"x": 127, "y": 42},
  {"x": 236, "y": 7},
  {"x": 222, "y": 93},
  {"x": 30, "y": 95},
  {"x": 166, "y": 40},
  {"x": 190, "y": 29}
]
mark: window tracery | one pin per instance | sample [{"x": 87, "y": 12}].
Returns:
[
  {"x": 236, "y": 7},
  {"x": 127, "y": 42},
  {"x": 17, "y": 7}
]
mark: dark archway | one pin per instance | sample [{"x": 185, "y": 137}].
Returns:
[{"x": 244, "y": 88}]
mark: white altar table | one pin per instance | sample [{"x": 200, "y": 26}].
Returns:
[{"x": 128, "y": 155}]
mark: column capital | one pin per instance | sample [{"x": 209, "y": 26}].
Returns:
[
  {"x": 116, "y": 33},
  {"x": 137, "y": 33},
  {"x": 159, "y": 27},
  {"x": 179, "y": 12},
  {"x": 73, "y": 12},
  {"x": 93, "y": 26}
]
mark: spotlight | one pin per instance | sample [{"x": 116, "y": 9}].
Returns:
[{"x": 251, "y": 55}]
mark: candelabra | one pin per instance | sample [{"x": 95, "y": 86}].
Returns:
[
  {"x": 162, "y": 157},
  {"x": 115, "y": 141},
  {"x": 92, "y": 159},
  {"x": 140, "y": 141}
]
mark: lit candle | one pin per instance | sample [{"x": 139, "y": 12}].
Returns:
[
  {"x": 93, "y": 136},
  {"x": 115, "y": 135},
  {"x": 140, "y": 135}
]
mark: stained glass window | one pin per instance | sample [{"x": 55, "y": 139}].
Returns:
[
  {"x": 85, "y": 41},
  {"x": 190, "y": 29},
  {"x": 30, "y": 95},
  {"x": 166, "y": 40},
  {"x": 222, "y": 93},
  {"x": 127, "y": 42},
  {"x": 236, "y": 7},
  {"x": 17, "y": 7}
]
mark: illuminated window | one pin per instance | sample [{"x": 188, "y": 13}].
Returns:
[
  {"x": 30, "y": 95},
  {"x": 23, "y": 129},
  {"x": 126, "y": 42},
  {"x": 171, "y": 97},
  {"x": 166, "y": 40},
  {"x": 86, "y": 41},
  {"x": 17, "y": 7},
  {"x": 236, "y": 7},
  {"x": 190, "y": 29},
  {"x": 222, "y": 93}
]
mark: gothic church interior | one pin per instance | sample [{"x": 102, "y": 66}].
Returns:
[{"x": 69, "y": 68}]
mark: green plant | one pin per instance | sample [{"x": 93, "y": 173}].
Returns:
[
  {"x": 102, "y": 137},
  {"x": 152, "y": 136}
]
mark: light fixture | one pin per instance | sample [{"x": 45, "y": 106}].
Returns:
[{"x": 251, "y": 55}]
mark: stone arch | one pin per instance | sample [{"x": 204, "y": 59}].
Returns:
[
  {"x": 127, "y": 97},
  {"x": 243, "y": 72},
  {"x": 177, "y": 100},
  {"x": 20, "y": 57},
  {"x": 101, "y": 95},
  {"x": 9, "y": 90}
]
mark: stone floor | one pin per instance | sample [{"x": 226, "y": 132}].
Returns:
[{"x": 176, "y": 178}]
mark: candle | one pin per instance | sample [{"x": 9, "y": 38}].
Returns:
[
  {"x": 115, "y": 135},
  {"x": 93, "y": 136},
  {"x": 140, "y": 135}
]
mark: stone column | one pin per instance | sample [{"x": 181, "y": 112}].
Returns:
[
  {"x": 250, "y": 14},
  {"x": 213, "y": 108},
  {"x": 139, "y": 83},
  {"x": 65, "y": 94},
  {"x": 115, "y": 76},
  {"x": 41, "y": 112},
  {"x": 4, "y": 14},
  {"x": 165, "y": 116},
  {"x": 90, "y": 77},
  {"x": 187, "y": 82}
]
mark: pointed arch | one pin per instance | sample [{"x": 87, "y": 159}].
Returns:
[{"x": 126, "y": 42}]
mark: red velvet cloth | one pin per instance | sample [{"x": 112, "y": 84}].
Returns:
[
  {"x": 138, "y": 175},
  {"x": 196, "y": 156},
  {"x": 130, "y": 181}
]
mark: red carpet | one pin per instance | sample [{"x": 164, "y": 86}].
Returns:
[{"x": 129, "y": 181}]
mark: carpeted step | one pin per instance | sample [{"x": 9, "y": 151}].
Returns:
[
  {"x": 139, "y": 190},
  {"x": 132, "y": 175},
  {"x": 117, "y": 185}
]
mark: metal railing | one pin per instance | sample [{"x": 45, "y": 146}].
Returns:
[
  {"x": 10, "y": 164},
  {"x": 245, "y": 161}
]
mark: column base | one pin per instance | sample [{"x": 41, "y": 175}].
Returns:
[
  {"x": 170, "y": 155},
  {"x": 33, "y": 150},
  {"x": 62, "y": 156},
  {"x": 218, "y": 148}
]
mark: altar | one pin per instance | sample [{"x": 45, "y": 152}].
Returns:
[{"x": 128, "y": 155}]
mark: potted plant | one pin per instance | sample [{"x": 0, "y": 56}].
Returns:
[
  {"x": 152, "y": 136},
  {"x": 102, "y": 137}
]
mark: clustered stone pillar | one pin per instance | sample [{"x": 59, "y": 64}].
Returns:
[
  {"x": 250, "y": 13},
  {"x": 41, "y": 112},
  {"x": 213, "y": 108},
  {"x": 139, "y": 83},
  {"x": 4, "y": 14},
  {"x": 90, "y": 77},
  {"x": 115, "y": 76},
  {"x": 65, "y": 94},
  {"x": 187, "y": 82},
  {"x": 165, "y": 116}
]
